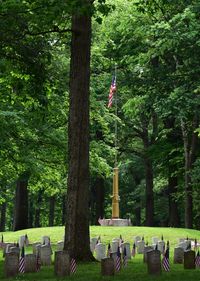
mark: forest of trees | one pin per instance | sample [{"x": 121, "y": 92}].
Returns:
[{"x": 156, "y": 47}]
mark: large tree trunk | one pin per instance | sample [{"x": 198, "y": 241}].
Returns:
[
  {"x": 63, "y": 209},
  {"x": 51, "y": 210},
  {"x": 77, "y": 210},
  {"x": 21, "y": 203}
]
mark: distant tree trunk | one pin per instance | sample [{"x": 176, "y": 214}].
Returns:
[
  {"x": 21, "y": 203},
  {"x": 174, "y": 220},
  {"x": 99, "y": 198},
  {"x": 31, "y": 211},
  {"x": 149, "y": 192},
  {"x": 51, "y": 210},
  {"x": 77, "y": 241},
  {"x": 190, "y": 148},
  {"x": 3, "y": 217},
  {"x": 138, "y": 216},
  {"x": 63, "y": 209},
  {"x": 38, "y": 209}
]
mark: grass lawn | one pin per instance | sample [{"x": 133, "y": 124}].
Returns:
[{"x": 135, "y": 270}]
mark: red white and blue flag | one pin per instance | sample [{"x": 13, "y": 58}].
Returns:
[
  {"x": 118, "y": 260},
  {"x": 22, "y": 261},
  {"x": 197, "y": 260},
  {"x": 125, "y": 258},
  {"x": 165, "y": 260},
  {"x": 72, "y": 266},
  {"x": 112, "y": 91}
]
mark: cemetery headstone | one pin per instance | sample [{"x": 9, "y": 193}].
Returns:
[
  {"x": 34, "y": 245},
  {"x": 154, "y": 262},
  {"x": 107, "y": 266},
  {"x": 128, "y": 249},
  {"x": 62, "y": 264},
  {"x": 178, "y": 255},
  {"x": 60, "y": 245},
  {"x": 11, "y": 264},
  {"x": 30, "y": 263},
  {"x": 45, "y": 240},
  {"x": 14, "y": 250},
  {"x": 100, "y": 250},
  {"x": 93, "y": 242},
  {"x": 45, "y": 255},
  {"x": 161, "y": 246},
  {"x": 23, "y": 241},
  {"x": 140, "y": 247},
  {"x": 189, "y": 260},
  {"x": 114, "y": 245},
  {"x": 146, "y": 249},
  {"x": 136, "y": 239}
]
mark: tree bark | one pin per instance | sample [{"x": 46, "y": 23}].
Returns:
[
  {"x": 51, "y": 210},
  {"x": 174, "y": 220},
  {"x": 63, "y": 209},
  {"x": 21, "y": 203},
  {"x": 77, "y": 207}
]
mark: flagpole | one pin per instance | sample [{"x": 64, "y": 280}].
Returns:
[{"x": 115, "y": 196}]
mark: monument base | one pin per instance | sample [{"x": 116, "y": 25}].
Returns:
[{"x": 115, "y": 222}]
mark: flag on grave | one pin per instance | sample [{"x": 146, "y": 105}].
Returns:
[
  {"x": 133, "y": 250},
  {"x": 118, "y": 260},
  {"x": 197, "y": 259},
  {"x": 22, "y": 261},
  {"x": 72, "y": 265},
  {"x": 125, "y": 258},
  {"x": 38, "y": 262},
  {"x": 109, "y": 251},
  {"x": 165, "y": 260},
  {"x": 112, "y": 91}
]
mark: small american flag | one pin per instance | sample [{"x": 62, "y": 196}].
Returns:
[
  {"x": 22, "y": 261},
  {"x": 133, "y": 250},
  {"x": 125, "y": 258},
  {"x": 112, "y": 91},
  {"x": 109, "y": 251},
  {"x": 165, "y": 260},
  {"x": 72, "y": 266},
  {"x": 118, "y": 260},
  {"x": 197, "y": 260}
]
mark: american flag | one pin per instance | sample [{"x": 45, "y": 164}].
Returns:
[
  {"x": 72, "y": 266},
  {"x": 197, "y": 260},
  {"x": 112, "y": 91},
  {"x": 38, "y": 262},
  {"x": 133, "y": 250},
  {"x": 118, "y": 260},
  {"x": 22, "y": 261},
  {"x": 125, "y": 258},
  {"x": 165, "y": 260},
  {"x": 109, "y": 251}
]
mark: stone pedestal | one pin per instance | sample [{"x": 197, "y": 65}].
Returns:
[
  {"x": 107, "y": 267},
  {"x": 62, "y": 264},
  {"x": 115, "y": 222}
]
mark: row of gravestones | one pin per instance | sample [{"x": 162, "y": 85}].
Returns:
[
  {"x": 153, "y": 260},
  {"x": 11, "y": 265}
]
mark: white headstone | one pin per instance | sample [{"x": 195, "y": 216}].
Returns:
[
  {"x": 45, "y": 240},
  {"x": 60, "y": 245},
  {"x": 128, "y": 249},
  {"x": 136, "y": 239},
  {"x": 23, "y": 241},
  {"x": 155, "y": 240},
  {"x": 100, "y": 250},
  {"x": 114, "y": 246},
  {"x": 140, "y": 247},
  {"x": 45, "y": 255},
  {"x": 183, "y": 245},
  {"x": 93, "y": 242},
  {"x": 161, "y": 246}
]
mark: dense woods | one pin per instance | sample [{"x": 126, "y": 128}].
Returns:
[{"x": 156, "y": 46}]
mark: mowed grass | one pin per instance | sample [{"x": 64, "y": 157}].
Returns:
[{"x": 136, "y": 269}]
